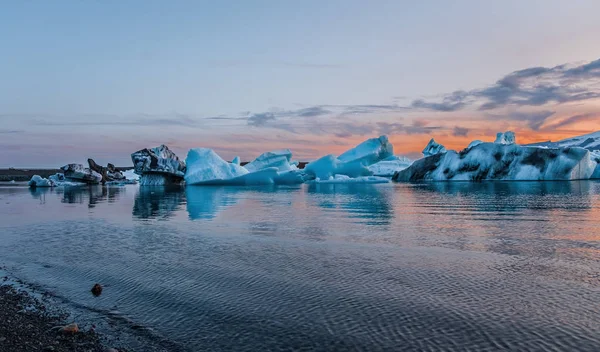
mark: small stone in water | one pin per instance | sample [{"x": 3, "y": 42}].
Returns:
[{"x": 97, "y": 290}]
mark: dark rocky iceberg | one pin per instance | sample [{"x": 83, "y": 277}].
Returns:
[
  {"x": 158, "y": 166},
  {"x": 109, "y": 173},
  {"x": 79, "y": 173},
  {"x": 492, "y": 161}
]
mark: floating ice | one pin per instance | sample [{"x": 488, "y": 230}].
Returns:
[
  {"x": 389, "y": 166},
  {"x": 491, "y": 161},
  {"x": 354, "y": 162},
  {"x": 279, "y": 159},
  {"x": 39, "y": 181},
  {"x": 589, "y": 141},
  {"x": 596, "y": 158},
  {"x": 236, "y": 160},
  {"x": 506, "y": 138},
  {"x": 433, "y": 148},
  {"x": 347, "y": 179},
  {"x": 79, "y": 173},
  {"x": 291, "y": 177},
  {"x": 130, "y": 175},
  {"x": 205, "y": 167},
  {"x": 474, "y": 143},
  {"x": 157, "y": 160},
  {"x": 369, "y": 152},
  {"x": 329, "y": 166}
]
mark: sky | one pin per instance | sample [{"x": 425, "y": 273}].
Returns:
[{"x": 103, "y": 79}]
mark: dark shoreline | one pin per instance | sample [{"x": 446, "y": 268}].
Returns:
[
  {"x": 32, "y": 318},
  {"x": 27, "y": 323}
]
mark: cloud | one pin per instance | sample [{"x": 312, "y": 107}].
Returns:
[
  {"x": 451, "y": 102},
  {"x": 534, "y": 120},
  {"x": 359, "y": 109},
  {"x": 573, "y": 120},
  {"x": 301, "y": 65},
  {"x": 174, "y": 119},
  {"x": 591, "y": 69},
  {"x": 311, "y": 112},
  {"x": 11, "y": 131},
  {"x": 460, "y": 131},
  {"x": 261, "y": 119},
  {"x": 533, "y": 86},
  {"x": 349, "y": 129}
]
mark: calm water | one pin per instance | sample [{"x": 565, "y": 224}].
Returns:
[{"x": 392, "y": 267}]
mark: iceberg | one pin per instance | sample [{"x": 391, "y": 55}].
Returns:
[
  {"x": 596, "y": 158},
  {"x": 329, "y": 166},
  {"x": 346, "y": 179},
  {"x": 369, "y": 152},
  {"x": 279, "y": 159},
  {"x": 79, "y": 173},
  {"x": 474, "y": 143},
  {"x": 60, "y": 180},
  {"x": 205, "y": 167},
  {"x": 433, "y": 148},
  {"x": 352, "y": 163},
  {"x": 589, "y": 141},
  {"x": 492, "y": 161},
  {"x": 130, "y": 175},
  {"x": 389, "y": 166},
  {"x": 56, "y": 180},
  {"x": 506, "y": 138},
  {"x": 39, "y": 181},
  {"x": 236, "y": 160},
  {"x": 154, "y": 163},
  {"x": 292, "y": 177},
  {"x": 109, "y": 173}
]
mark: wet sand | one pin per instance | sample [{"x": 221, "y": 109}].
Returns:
[{"x": 27, "y": 325}]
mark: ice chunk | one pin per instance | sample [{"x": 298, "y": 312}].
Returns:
[
  {"x": 60, "y": 180},
  {"x": 79, "y": 173},
  {"x": 329, "y": 166},
  {"x": 474, "y": 143},
  {"x": 369, "y": 152},
  {"x": 205, "y": 167},
  {"x": 346, "y": 179},
  {"x": 56, "y": 180},
  {"x": 291, "y": 177},
  {"x": 491, "y": 161},
  {"x": 589, "y": 141},
  {"x": 390, "y": 166},
  {"x": 596, "y": 158},
  {"x": 130, "y": 175},
  {"x": 157, "y": 160},
  {"x": 506, "y": 138},
  {"x": 433, "y": 148},
  {"x": 39, "y": 181},
  {"x": 236, "y": 160},
  {"x": 204, "y": 164},
  {"x": 279, "y": 159},
  {"x": 109, "y": 173},
  {"x": 352, "y": 163}
]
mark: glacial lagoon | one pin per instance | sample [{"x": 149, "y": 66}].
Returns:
[{"x": 437, "y": 266}]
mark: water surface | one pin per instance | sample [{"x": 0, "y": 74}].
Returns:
[{"x": 433, "y": 267}]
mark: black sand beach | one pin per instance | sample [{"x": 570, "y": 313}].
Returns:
[{"x": 27, "y": 325}]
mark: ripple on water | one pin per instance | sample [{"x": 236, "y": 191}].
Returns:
[{"x": 367, "y": 268}]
